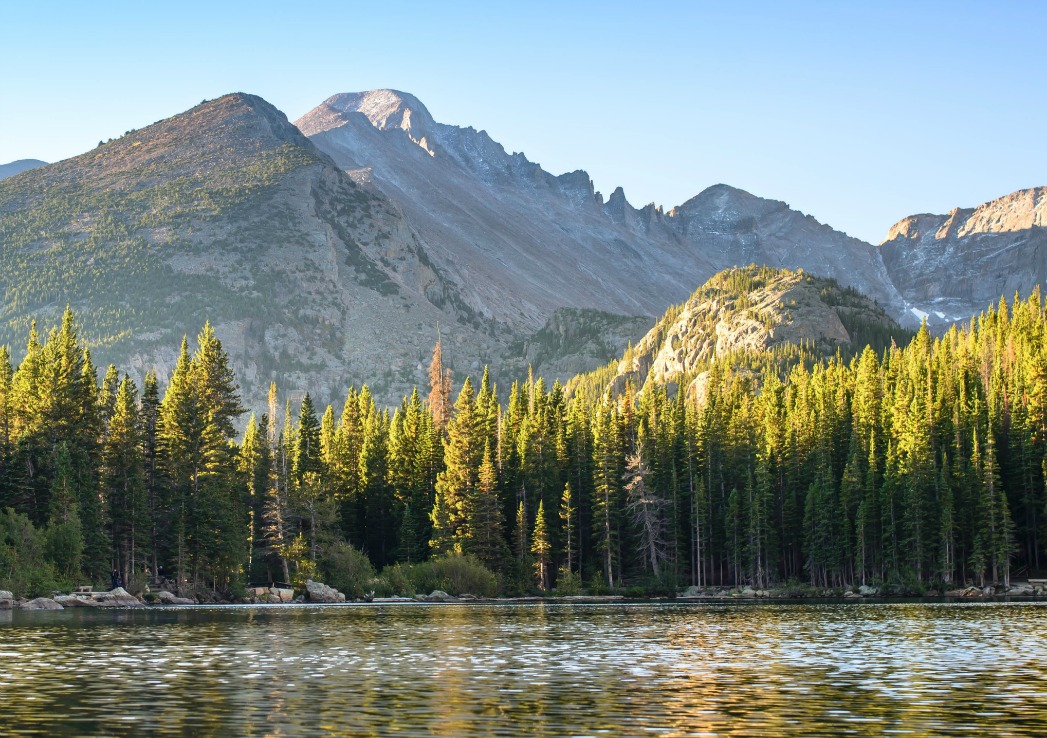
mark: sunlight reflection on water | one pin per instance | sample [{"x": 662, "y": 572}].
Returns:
[{"x": 768, "y": 669}]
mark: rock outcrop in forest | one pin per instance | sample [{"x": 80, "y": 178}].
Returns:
[{"x": 745, "y": 317}]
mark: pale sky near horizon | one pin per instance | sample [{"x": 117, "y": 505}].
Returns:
[{"x": 856, "y": 113}]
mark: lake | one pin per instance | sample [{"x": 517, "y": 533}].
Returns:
[{"x": 536, "y": 669}]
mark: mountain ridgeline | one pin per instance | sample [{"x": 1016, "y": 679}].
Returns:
[
  {"x": 524, "y": 242},
  {"x": 326, "y": 253},
  {"x": 228, "y": 213},
  {"x": 17, "y": 167}
]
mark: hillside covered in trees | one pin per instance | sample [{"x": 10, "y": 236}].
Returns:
[{"x": 913, "y": 467}]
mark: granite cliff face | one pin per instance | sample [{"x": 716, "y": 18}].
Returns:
[
  {"x": 753, "y": 312},
  {"x": 950, "y": 267}
]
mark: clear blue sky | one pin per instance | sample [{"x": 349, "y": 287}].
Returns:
[{"x": 858, "y": 114}]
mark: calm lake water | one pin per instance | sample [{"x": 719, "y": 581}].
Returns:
[{"x": 477, "y": 670}]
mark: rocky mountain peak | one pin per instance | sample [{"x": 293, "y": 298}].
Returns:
[
  {"x": 1018, "y": 211},
  {"x": 911, "y": 226},
  {"x": 617, "y": 206},
  {"x": 993, "y": 250},
  {"x": 386, "y": 110},
  {"x": 720, "y": 198},
  {"x": 210, "y": 144}
]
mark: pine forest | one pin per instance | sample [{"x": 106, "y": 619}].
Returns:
[{"x": 914, "y": 468}]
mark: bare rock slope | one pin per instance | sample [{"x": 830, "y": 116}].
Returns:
[
  {"x": 228, "y": 213},
  {"x": 950, "y": 267},
  {"x": 521, "y": 242},
  {"x": 753, "y": 312}
]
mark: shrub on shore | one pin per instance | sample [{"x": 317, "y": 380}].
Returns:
[
  {"x": 348, "y": 570},
  {"x": 455, "y": 574}
]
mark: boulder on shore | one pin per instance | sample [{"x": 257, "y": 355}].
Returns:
[
  {"x": 280, "y": 594},
  {"x": 41, "y": 603},
  {"x": 438, "y": 595},
  {"x": 169, "y": 598},
  {"x": 118, "y": 597},
  {"x": 5, "y": 595},
  {"x": 73, "y": 600},
  {"x": 320, "y": 592}
]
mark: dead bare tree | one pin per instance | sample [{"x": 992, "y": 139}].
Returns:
[{"x": 647, "y": 510}]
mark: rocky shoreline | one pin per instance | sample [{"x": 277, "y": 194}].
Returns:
[
  {"x": 318, "y": 593},
  {"x": 1018, "y": 589}
]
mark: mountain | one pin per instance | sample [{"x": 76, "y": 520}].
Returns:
[
  {"x": 227, "y": 212},
  {"x": 950, "y": 267},
  {"x": 745, "y": 316},
  {"x": 327, "y": 253},
  {"x": 521, "y": 242},
  {"x": 17, "y": 167}
]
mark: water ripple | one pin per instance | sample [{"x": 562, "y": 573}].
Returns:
[{"x": 854, "y": 669}]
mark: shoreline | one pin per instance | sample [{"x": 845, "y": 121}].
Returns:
[{"x": 539, "y": 600}]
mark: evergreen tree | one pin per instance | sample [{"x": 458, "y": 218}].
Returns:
[
  {"x": 484, "y": 527},
  {"x": 459, "y": 480},
  {"x": 541, "y": 548},
  {"x": 123, "y": 483},
  {"x": 64, "y": 535},
  {"x": 606, "y": 479},
  {"x": 568, "y": 524}
]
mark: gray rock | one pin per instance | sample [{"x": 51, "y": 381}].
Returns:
[
  {"x": 320, "y": 592},
  {"x": 41, "y": 603},
  {"x": 994, "y": 249},
  {"x": 5, "y": 595},
  {"x": 169, "y": 598},
  {"x": 867, "y": 591},
  {"x": 279, "y": 594},
  {"x": 75, "y": 601},
  {"x": 6, "y": 604},
  {"x": 118, "y": 597},
  {"x": 438, "y": 595},
  {"x": 691, "y": 591}
]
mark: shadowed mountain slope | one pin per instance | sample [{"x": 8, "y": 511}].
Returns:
[
  {"x": 522, "y": 242},
  {"x": 950, "y": 267}
]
